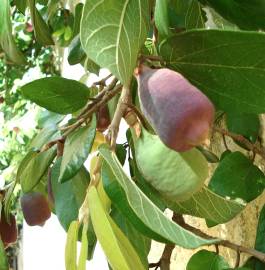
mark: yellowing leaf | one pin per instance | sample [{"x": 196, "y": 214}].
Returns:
[
  {"x": 99, "y": 139},
  {"x": 84, "y": 249}
]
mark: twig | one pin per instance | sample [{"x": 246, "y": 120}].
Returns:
[
  {"x": 51, "y": 144},
  {"x": 165, "y": 258},
  {"x": 103, "y": 81},
  {"x": 239, "y": 138},
  {"x": 225, "y": 243},
  {"x": 125, "y": 99},
  {"x": 237, "y": 259}
]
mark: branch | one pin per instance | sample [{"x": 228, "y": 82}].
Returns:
[
  {"x": 239, "y": 138},
  {"x": 225, "y": 243}
]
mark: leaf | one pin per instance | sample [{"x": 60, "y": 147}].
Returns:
[
  {"x": 141, "y": 244},
  {"x": 114, "y": 42},
  {"x": 206, "y": 204},
  {"x": 210, "y": 156},
  {"x": 69, "y": 195},
  {"x": 237, "y": 177},
  {"x": 105, "y": 234},
  {"x": 76, "y": 149},
  {"x": 178, "y": 176},
  {"x": 247, "y": 125},
  {"x": 57, "y": 94},
  {"x": 202, "y": 57},
  {"x": 76, "y": 52},
  {"x": 92, "y": 240},
  {"x": 150, "y": 215},
  {"x": 21, "y": 5},
  {"x": 237, "y": 12},
  {"x": 84, "y": 250},
  {"x": 204, "y": 258},
  {"x": 71, "y": 246},
  {"x": 7, "y": 41},
  {"x": 77, "y": 21},
  {"x": 161, "y": 17},
  {"x": 47, "y": 118},
  {"x": 3, "y": 257},
  {"x": 41, "y": 29},
  {"x": 91, "y": 66}
]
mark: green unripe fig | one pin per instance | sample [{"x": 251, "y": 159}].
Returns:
[
  {"x": 180, "y": 114},
  {"x": 103, "y": 118},
  {"x": 8, "y": 230},
  {"x": 35, "y": 208}
]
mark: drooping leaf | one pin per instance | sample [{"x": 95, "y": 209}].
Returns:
[
  {"x": 3, "y": 257},
  {"x": 76, "y": 149},
  {"x": 247, "y": 125},
  {"x": 237, "y": 12},
  {"x": 84, "y": 249},
  {"x": 69, "y": 195},
  {"x": 150, "y": 215},
  {"x": 237, "y": 177},
  {"x": 57, "y": 94},
  {"x": 78, "y": 14},
  {"x": 76, "y": 52},
  {"x": 204, "y": 259},
  {"x": 92, "y": 240},
  {"x": 7, "y": 42},
  {"x": 161, "y": 17},
  {"x": 226, "y": 78},
  {"x": 178, "y": 176},
  {"x": 41, "y": 29},
  {"x": 71, "y": 246},
  {"x": 114, "y": 42},
  {"x": 110, "y": 237}
]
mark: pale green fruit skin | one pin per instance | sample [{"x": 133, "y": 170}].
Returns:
[{"x": 175, "y": 175}]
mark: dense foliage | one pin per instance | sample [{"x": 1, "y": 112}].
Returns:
[{"x": 216, "y": 50}]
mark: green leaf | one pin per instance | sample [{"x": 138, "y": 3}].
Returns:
[
  {"x": 92, "y": 240},
  {"x": 150, "y": 215},
  {"x": 201, "y": 56},
  {"x": 237, "y": 12},
  {"x": 84, "y": 250},
  {"x": 119, "y": 200},
  {"x": 77, "y": 21},
  {"x": 237, "y": 177},
  {"x": 91, "y": 66},
  {"x": 3, "y": 258},
  {"x": 161, "y": 17},
  {"x": 76, "y": 52},
  {"x": 141, "y": 244},
  {"x": 41, "y": 29},
  {"x": 69, "y": 195},
  {"x": 107, "y": 234},
  {"x": 210, "y": 156},
  {"x": 57, "y": 94},
  {"x": 179, "y": 175},
  {"x": 76, "y": 149},
  {"x": 21, "y": 5},
  {"x": 247, "y": 125},
  {"x": 253, "y": 264},
  {"x": 114, "y": 42},
  {"x": 204, "y": 258},
  {"x": 206, "y": 204},
  {"x": 47, "y": 118},
  {"x": 7, "y": 41},
  {"x": 71, "y": 246}
]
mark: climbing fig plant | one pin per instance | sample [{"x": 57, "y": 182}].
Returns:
[{"x": 187, "y": 79}]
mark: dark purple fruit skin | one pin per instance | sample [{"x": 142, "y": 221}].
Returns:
[
  {"x": 8, "y": 231},
  {"x": 103, "y": 118},
  {"x": 180, "y": 114},
  {"x": 35, "y": 208}
]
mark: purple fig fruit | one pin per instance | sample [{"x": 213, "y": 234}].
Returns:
[
  {"x": 180, "y": 114},
  {"x": 8, "y": 230},
  {"x": 35, "y": 208},
  {"x": 103, "y": 118}
]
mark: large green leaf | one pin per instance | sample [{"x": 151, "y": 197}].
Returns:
[
  {"x": 112, "y": 37},
  {"x": 206, "y": 204},
  {"x": 161, "y": 17},
  {"x": 76, "y": 149},
  {"x": 246, "y": 14},
  {"x": 237, "y": 177},
  {"x": 68, "y": 196},
  {"x": 205, "y": 259},
  {"x": 178, "y": 175},
  {"x": 41, "y": 29},
  {"x": 226, "y": 65},
  {"x": 150, "y": 215},
  {"x": 57, "y": 94},
  {"x": 7, "y": 41},
  {"x": 119, "y": 251}
]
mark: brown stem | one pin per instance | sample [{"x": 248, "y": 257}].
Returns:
[
  {"x": 119, "y": 113},
  {"x": 165, "y": 259},
  {"x": 103, "y": 81},
  {"x": 239, "y": 138}
]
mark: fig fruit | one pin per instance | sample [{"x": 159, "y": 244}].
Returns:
[
  {"x": 103, "y": 118},
  {"x": 8, "y": 231},
  {"x": 180, "y": 114},
  {"x": 35, "y": 208}
]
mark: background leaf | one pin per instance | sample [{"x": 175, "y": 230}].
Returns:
[
  {"x": 233, "y": 81},
  {"x": 57, "y": 94},
  {"x": 114, "y": 42},
  {"x": 3, "y": 257}
]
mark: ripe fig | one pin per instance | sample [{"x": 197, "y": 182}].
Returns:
[
  {"x": 180, "y": 114},
  {"x": 8, "y": 231},
  {"x": 35, "y": 208},
  {"x": 103, "y": 118}
]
